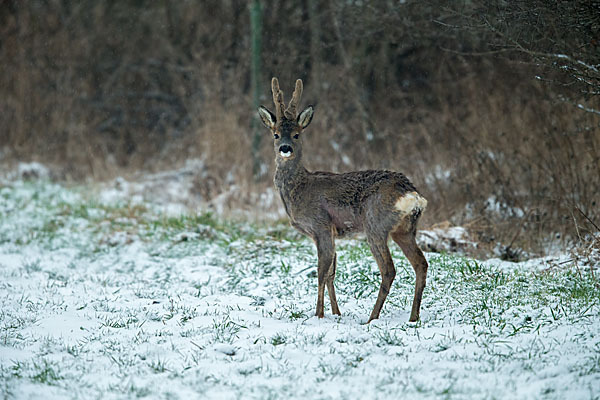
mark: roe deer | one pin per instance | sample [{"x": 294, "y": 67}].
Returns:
[{"x": 325, "y": 205}]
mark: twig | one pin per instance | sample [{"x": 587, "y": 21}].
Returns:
[
  {"x": 588, "y": 218},
  {"x": 197, "y": 345},
  {"x": 304, "y": 269},
  {"x": 477, "y": 53},
  {"x": 518, "y": 231},
  {"x": 576, "y": 227},
  {"x": 581, "y": 240},
  {"x": 566, "y": 261}
]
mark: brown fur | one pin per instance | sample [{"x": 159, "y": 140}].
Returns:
[{"x": 325, "y": 205}]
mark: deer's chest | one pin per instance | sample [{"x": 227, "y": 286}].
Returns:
[
  {"x": 294, "y": 213},
  {"x": 285, "y": 199}
]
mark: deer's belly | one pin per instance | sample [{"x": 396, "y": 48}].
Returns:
[
  {"x": 347, "y": 227},
  {"x": 345, "y": 221}
]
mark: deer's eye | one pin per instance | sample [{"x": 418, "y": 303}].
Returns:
[
  {"x": 276, "y": 136},
  {"x": 296, "y": 136}
]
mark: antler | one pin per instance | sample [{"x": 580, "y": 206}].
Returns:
[
  {"x": 290, "y": 111},
  {"x": 277, "y": 99},
  {"x": 280, "y": 109}
]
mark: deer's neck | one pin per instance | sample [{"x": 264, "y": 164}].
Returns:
[{"x": 289, "y": 176}]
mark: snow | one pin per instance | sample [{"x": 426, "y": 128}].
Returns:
[
  {"x": 438, "y": 174},
  {"x": 175, "y": 192},
  {"x": 500, "y": 208},
  {"x": 539, "y": 264},
  {"x": 100, "y": 299},
  {"x": 446, "y": 238},
  {"x": 30, "y": 170}
]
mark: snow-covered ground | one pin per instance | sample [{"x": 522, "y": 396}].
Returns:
[{"x": 106, "y": 298}]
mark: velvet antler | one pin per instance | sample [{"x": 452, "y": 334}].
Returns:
[
  {"x": 277, "y": 99},
  {"x": 291, "y": 110}
]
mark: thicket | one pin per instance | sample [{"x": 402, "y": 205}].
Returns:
[{"x": 491, "y": 107}]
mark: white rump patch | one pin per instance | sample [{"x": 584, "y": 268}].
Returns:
[
  {"x": 409, "y": 202},
  {"x": 286, "y": 154}
]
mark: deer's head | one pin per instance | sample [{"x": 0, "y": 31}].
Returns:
[{"x": 285, "y": 125}]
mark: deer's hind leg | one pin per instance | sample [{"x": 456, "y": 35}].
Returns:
[
  {"x": 408, "y": 244},
  {"x": 382, "y": 255}
]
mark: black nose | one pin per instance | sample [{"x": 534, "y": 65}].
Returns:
[{"x": 286, "y": 149}]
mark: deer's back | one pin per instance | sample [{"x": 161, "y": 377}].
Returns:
[{"x": 353, "y": 188}]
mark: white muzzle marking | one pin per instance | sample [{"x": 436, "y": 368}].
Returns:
[{"x": 287, "y": 154}]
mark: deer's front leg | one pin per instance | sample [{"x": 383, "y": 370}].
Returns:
[
  {"x": 326, "y": 254},
  {"x": 330, "y": 288}
]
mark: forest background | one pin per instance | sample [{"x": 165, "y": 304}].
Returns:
[{"x": 490, "y": 107}]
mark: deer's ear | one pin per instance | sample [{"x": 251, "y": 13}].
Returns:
[
  {"x": 305, "y": 117},
  {"x": 267, "y": 117}
]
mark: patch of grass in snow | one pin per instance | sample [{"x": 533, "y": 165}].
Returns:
[
  {"x": 32, "y": 265},
  {"x": 38, "y": 371},
  {"x": 225, "y": 330},
  {"x": 278, "y": 339},
  {"x": 292, "y": 312},
  {"x": 158, "y": 366},
  {"x": 389, "y": 337},
  {"x": 45, "y": 372},
  {"x": 119, "y": 321},
  {"x": 131, "y": 389}
]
